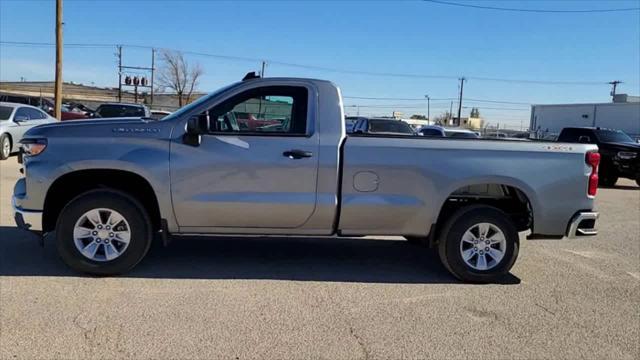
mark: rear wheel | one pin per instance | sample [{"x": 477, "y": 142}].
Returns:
[
  {"x": 103, "y": 233},
  {"x": 478, "y": 243},
  {"x": 5, "y": 146}
]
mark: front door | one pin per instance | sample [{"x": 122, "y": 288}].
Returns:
[{"x": 256, "y": 168}]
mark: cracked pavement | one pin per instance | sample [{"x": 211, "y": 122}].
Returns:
[{"x": 363, "y": 298}]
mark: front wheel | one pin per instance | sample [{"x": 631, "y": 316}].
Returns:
[
  {"x": 103, "y": 232},
  {"x": 5, "y": 146},
  {"x": 479, "y": 244}
]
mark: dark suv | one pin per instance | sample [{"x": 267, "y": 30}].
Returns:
[{"x": 620, "y": 155}]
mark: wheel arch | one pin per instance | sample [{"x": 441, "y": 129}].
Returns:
[
  {"x": 518, "y": 200},
  {"x": 71, "y": 184}
]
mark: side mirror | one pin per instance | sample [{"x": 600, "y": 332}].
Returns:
[
  {"x": 20, "y": 118},
  {"x": 196, "y": 126}
]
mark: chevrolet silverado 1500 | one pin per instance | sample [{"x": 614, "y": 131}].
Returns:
[{"x": 105, "y": 187}]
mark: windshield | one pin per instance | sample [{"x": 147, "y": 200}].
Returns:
[
  {"x": 203, "y": 99},
  {"x": 391, "y": 126},
  {"x": 5, "y": 112},
  {"x": 613, "y": 136}
]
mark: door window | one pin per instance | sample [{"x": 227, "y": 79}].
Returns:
[
  {"x": 30, "y": 113},
  {"x": 274, "y": 110}
]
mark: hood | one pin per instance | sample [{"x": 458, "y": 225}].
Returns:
[{"x": 107, "y": 127}]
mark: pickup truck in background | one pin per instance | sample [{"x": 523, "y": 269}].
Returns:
[
  {"x": 620, "y": 155},
  {"x": 105, "y": 187}
]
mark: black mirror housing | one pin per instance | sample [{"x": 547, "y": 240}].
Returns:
[{"x": 196, "y": 126}]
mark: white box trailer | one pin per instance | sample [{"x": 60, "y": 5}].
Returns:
[{"x": 548, "y": 120}]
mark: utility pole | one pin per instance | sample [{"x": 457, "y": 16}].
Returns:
[
  {"x": 462, "y": 79},
  {"x": 153, "y": 68},
  {"x": 428, "y": 108},
  {"x": 119, "y": 73},
  {"x": 450, "y": 111},
  {"x": 264, "y": 63},
  {"x": 58, "y": 87},
  {"x": 614, "y": 85}
]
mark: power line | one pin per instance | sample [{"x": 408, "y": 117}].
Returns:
[
  {"x": 450, "y": 3},
  {"x": 313, "y": 67},
  {"x": 497, "y": 102},
  {"x": 494, "y": 108},
  {"x": 395, "y": 98}
]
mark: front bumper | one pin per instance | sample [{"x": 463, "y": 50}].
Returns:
[
  {"x": 26, "y": 219},
  {"x": 582, "y": 224}
]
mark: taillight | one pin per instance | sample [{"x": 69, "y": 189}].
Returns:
[{"x": 593, "y": 160}]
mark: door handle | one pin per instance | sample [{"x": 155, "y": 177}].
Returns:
[{"x": 297, "y": 154}]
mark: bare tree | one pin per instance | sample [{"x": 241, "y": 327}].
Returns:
[{"x": 177, "y": 75}]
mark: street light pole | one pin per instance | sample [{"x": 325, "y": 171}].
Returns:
[{"x": 428, "y": 107}]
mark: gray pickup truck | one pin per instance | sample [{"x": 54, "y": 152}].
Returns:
[{"x": 107, "y": 187}]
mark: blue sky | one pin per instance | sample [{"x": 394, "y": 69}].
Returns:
[{"x": 409, "y": 37}]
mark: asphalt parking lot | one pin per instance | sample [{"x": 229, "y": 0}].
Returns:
[{"x": 326, "y": 298}]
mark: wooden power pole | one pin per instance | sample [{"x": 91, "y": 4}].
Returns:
[
  {"x": 58, "y": 86},
  {"x": 462, "y": 79}
]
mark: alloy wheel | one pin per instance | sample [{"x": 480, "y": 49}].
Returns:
[
  {"x": 102, "y": 234},
  {"x": 483, "y": 246}
]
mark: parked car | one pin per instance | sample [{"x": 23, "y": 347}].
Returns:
[
  {"x": 68, "y": 112},
  {"x": 116, "y": 110},
  {"x": 439, "y": 131},
  {"x": 620, "y": 154},
  {"x": 36, "y": 101},
  {"x": 15, "y": 120},
  {"x": 251, "y": 122},
  {"x": 197, "y": 172},
  {"x": 79, "y": 108},
  {"x": 159, "y": 114},
  {"x": 381, "y": 126},
  {"x": 349, "y": 123},
  {"x": 495, "y": 135}
]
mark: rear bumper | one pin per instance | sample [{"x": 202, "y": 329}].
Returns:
[
  {"x": 26, "y": 219},
  {"x": 582, "y": 224}
]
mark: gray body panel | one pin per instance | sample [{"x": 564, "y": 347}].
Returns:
[
  {"x": 243, "y": 185},
  {"x": 415, "y": 176}
]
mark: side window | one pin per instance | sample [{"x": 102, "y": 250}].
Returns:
[
  {"x": 265, "y": 110},
  {"x": 34, "y": 114},
  {"x": 22, "y": 113}
]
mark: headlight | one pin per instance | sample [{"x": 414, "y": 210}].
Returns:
[
  {"x": 626, "y": 155},
  {"x": 33, "y": 147}
]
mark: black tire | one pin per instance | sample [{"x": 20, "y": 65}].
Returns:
[
  {"x": 451, "y": 238},
  {"x": 3, "y": 139},
  {"x": 128, "y": 207},
  {"x": 416, "y": 240},
  {"x": 608, "y": 178}
]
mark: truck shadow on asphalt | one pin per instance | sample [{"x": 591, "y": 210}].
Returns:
[{"x": 357, "y": 260}]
